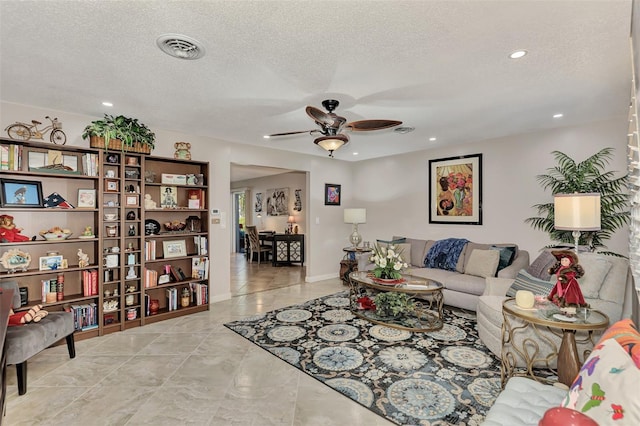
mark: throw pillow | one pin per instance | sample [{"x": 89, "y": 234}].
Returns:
[
  {"x": 507, "y": 254},
  {"x": 606, "y": 387},
  {"x": 395, "y": 241},
  {"x": 627, "y": 335},
  {"x": 525, "y": 281},
  {"x": 483, "y": 263},
  {"x": 540, "y": 267},
  {"x": 596, "y": 268}
]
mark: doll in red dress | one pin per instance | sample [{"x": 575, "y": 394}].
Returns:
[{"x": 567, "y": 291}]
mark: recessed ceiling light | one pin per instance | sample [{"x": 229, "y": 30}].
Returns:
[
  {"x": 108, "y": 104},
  {"x": 432, "y": 139},
  {"x": 517, "y": 54},
  {"x": 558, "y": 115},
  {"x": 266, "y": 136},
  {"x": 355, "y": 153}
]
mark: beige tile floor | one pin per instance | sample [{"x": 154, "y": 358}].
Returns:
[{"x": 190, "y": 370}]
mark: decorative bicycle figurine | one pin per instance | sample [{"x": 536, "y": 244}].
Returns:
[{"x": 24, "y": 131}]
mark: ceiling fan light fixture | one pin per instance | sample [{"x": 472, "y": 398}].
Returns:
[{"x": 331, "y": 143}]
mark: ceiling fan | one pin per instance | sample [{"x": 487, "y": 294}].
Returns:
[{"x": 332, "y": 127}]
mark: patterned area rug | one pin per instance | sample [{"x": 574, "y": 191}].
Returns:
[{"x": 442, "y": 377}]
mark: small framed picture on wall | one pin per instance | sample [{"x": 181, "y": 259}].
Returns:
[{"x": 332, "y": 194}]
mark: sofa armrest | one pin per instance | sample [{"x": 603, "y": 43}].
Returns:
[
  {"x": 497, "y": 286},
  {"x": 520, "y": 262}
]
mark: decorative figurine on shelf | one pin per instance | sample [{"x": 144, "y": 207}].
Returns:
[
  {"x": 149, "y": 204},
  {"x": 9, "y": 233},
  {"x": 83, "y": 259},
  {"x": 88, "y": 232},
  {"x": 567, "y": 289},
  {"x": 182, "y": 150},
  {"x": 131, "y": 274}
]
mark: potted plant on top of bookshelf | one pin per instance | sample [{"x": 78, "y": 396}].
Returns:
[{"x": 120, "y": 133}]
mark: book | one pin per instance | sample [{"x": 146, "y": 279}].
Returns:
[{"x": 200, "y": 268}]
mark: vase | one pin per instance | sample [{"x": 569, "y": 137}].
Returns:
[{"x": 154, "y": 306}]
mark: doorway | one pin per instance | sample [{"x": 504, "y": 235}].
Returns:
[{"x": 239, "y": 222}]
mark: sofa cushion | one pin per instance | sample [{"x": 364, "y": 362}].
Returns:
[
  {"x": 483, "y": 263},
  {"x": 452, "y": 280},
  {"x": 471, "y": 246},
  {"x": 539, "y": 268},
  {"x": 614, "y": 286},
  {"x": 606, "y": 387},
  {"x": 523, "y": 402},
  {"x": 418, "y": 251},
  {"x": 525, "y": 281},
  {"x": 596, "y": 267},
  {"x": 507, "y": 254}
]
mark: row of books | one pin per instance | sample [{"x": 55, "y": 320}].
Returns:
[
  {"x": 90, "y": 282},
  {"x": 199, "y": 293},
  {"x": 90, "y": 164},
  {"x": 11, "y": 157},
  {"x": 172, "y": 298},
  {"x": 150, "y": 278},
  {"x": 202, "y": 247},
  {"x": 85, "y": 317},
  {"x": 150, "y": 250}
]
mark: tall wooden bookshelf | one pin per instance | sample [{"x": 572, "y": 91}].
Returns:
[
  {"x": 63, "y": 171},
  {"x": 114, "y": 288}
]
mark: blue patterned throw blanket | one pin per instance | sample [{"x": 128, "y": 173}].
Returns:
[{"x": 444, "y": 254}]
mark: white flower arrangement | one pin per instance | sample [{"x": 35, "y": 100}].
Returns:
[{"x": 388, "y": 260}]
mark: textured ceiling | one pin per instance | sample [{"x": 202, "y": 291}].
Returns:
[{"x": 439, "y": 66}]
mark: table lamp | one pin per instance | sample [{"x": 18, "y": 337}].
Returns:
[
  {"x": 577, "y": 212},
  {"x": 355, "y": 217},
  {"x": 291, "y": 221}
]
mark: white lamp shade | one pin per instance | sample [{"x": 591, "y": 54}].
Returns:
[
  {"x": 355, "y": 215},
  {"x": 577, "y": 212}
]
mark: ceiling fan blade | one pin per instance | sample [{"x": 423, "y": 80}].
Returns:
[
  {"x": 366, "y": 125},
  {"x": 322, "y": 118},
  {"x": 293, "y": 133}
]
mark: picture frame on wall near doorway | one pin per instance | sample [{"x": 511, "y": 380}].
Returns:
[{"x": 332, "y": 194}]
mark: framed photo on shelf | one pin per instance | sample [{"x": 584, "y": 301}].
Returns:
[
  {"x": 111, "y": 185},
  {"x": 87, "y": 198},
  {"x": 176, "y": 248},
  {"x": 455, "y": 190},
  {"x": 332, "y": 194},
  {"x": 131, "y": 200},
  {"x": 48, "y": 263},
  {"x": 20, "y": 193},
  {"x": 168, "y": 197}
]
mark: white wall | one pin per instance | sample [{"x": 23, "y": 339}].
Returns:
[{"x": 393, "y": 189}]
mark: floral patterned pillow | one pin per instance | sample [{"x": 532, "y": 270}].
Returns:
[{"x": 606, "y": 387}]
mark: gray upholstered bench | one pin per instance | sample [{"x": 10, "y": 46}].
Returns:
[{"x": 24, "y": 341}]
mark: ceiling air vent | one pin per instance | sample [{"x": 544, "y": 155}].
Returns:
[
  {"x": 180, "y": 46},
  {"x": 404, "y": 130}
]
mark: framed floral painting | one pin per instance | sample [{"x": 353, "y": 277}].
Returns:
[
  {"x": 455, "y": 190},
  {"x": 332, "y": 194}
]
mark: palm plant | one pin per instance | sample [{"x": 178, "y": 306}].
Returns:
[{"x": 587, "y": 176}]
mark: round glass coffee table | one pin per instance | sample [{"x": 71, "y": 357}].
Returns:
[
  {"x": 425, "y": 293},
  {"x": 524, "y": 329}
]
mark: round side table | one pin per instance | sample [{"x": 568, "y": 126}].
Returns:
[{"x": 538, "y": 323}]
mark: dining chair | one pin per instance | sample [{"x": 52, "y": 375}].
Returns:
[{"x": 255, "y": 246}]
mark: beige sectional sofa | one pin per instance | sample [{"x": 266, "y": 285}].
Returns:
[{"x": 464, "y": 285}]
